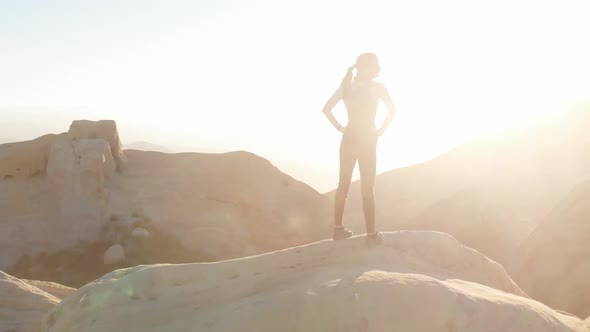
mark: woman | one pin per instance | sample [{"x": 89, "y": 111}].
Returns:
[{"x": 361, "y": 96}]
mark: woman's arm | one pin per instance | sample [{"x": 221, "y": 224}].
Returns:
[
  {"x": 336, "y": 97},
  {"x": 384, "y": 95}
]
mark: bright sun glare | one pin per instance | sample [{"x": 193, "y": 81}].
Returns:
[{"x": 256, "y": 78}]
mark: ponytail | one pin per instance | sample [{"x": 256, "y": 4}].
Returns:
[{"x": 346, "y": 84}]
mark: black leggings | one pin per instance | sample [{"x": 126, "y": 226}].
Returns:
[{"x": 362, "y": 148}]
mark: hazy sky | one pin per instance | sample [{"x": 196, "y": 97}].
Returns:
[{"x": 226, "y": 74}]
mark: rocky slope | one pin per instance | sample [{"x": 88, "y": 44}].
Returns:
[
  {"x": 416, "y": 281},
  {"x": 556, "y": 257},
  {"x": 22, "y": 306}
]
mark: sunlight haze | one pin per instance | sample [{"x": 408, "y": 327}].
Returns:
[{"x": 254, "y": 75}]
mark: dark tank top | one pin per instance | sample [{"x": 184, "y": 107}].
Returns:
[{"x": 361, "y": 100}]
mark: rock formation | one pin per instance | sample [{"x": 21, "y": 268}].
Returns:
[
  {"x": 199, "y": 207},
  {"x": 140, "y": 233},
  {"x": 22, "y": 160},
  {"x": 22, "y": 306},
  {"x": 416, "y": 281},
  {"x": 67, "y": 201},
  {"x": 104, "y": 129},
  {"x": 78, "y": 172}
]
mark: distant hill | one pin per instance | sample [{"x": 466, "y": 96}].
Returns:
[
  {"x": 556, "y": 256},
  {"x": 321, "y": 179},
  {"x": 147, "y": 146},
  {"x": 8, "y": 140}
]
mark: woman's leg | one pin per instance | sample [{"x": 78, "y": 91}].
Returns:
[
  {"x": 347, "y": 163},
  {"x": 368, "y": 168}
]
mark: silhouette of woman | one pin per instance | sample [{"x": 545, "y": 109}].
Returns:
[{"x": 361, "y": 96}]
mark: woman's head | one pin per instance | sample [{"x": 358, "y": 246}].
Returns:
[{"x": 367, "y": 66}]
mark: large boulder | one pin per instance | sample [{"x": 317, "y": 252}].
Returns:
[
  {"x": 64, "y": 206},
  {"x": 78, "y": 172},
  {"x": 114, "y": 255},
  {"x": 555, "y": 261},
  {"x": 22, "y": 306},
  {"x": 80, "y": 169},
  {"x": 416, "y": 281},
  {"x": 103, "y": 129},
  {"x": 140, "y": 233}
]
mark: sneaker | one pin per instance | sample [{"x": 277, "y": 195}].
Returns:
[
  {"x": 341, "y": 233},
  {"x": 374, "y": 239}
]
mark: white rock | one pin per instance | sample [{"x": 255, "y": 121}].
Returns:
[
  {"x": 115, "y": 254},
  {"x": 22, "y": 307},
  {"x": 78, "y": 170},
  {"x": 414, "y": 282},
  {"x": 77, "y": 173},
  {"x": 140, "y": 233},
  {"x": 104, "y": 129}
]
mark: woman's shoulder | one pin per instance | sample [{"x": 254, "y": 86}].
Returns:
[
  {"x": 380, "y": 87},
  {"x": 378, "y": 84}
]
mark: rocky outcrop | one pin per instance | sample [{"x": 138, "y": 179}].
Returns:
[
  {"x": 22, "y": 160},
  {"x": 173, "y": 208},
  {"x": 192, "y": 207},
  {"x": 22, "y": 306},
  {"x": 416, "y": 281},
  {"x": 140, "y": 233},
  {"x": 65, "y": 204},
  {"x": 78, "y": 172},
  {"x": 555, "y": 261},
  {"x": 103, "y": 129},
  {"x": 53, "y": 288}
]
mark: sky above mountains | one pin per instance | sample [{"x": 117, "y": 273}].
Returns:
[{"x": 253, "y": 75}]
